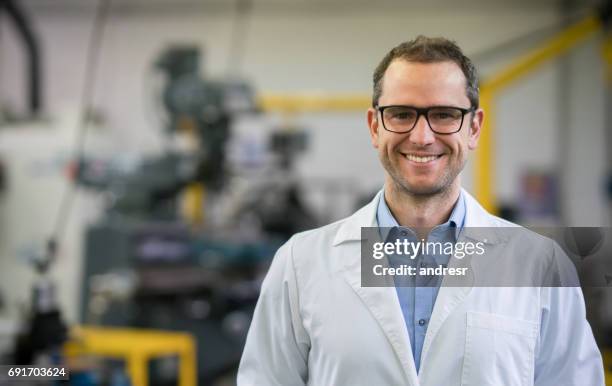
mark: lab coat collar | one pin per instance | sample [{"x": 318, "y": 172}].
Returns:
[
  {"x": 383, "y": 302},
  {"x": 350, "y": 229},
  {"x": 476, "y": 218}
]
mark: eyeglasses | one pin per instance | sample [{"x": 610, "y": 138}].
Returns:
[{"x": 441, "y": 119}]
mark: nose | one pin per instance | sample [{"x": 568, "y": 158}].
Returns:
[{"x": 421, "y": 134}]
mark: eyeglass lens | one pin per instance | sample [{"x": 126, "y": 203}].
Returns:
[{"x": 441, "y": 119}]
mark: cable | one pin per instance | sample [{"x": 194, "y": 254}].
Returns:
[{"x": 91, "y": 66}]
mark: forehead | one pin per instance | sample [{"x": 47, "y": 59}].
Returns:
[{"x": 424, "y": 84}]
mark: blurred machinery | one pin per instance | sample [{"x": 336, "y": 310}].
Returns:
[
  {"x": 42, "y": 333},
  {"x": 148, "y": 266},
  {"x": 200, "y": 112},
  {"x": 41, "y": 337},
  {"x": 21, "y": 22}
]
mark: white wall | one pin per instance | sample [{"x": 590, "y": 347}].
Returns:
[
  {"x": 587, "y": 163},
  {"x": 298, "y": 47},
  {"x": 36, "y": 157}
]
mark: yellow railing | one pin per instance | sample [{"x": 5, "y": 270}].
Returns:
[
  {"x": 314, "y": 103},
  {"x": 490, "y": 88},
  {"x": 137, "y": 347},
  {"x": 607, "y": 360}
]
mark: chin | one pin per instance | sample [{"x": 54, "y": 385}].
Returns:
[
  {"x": 424, "y": 190},
  {"x": 421, "y": 189},
  {"x": 424, "y": 187}
]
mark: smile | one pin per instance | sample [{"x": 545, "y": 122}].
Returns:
[{"x": 422, "y": 159}]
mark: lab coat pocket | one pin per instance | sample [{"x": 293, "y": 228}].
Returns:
[{"x": 499, "y": 350}]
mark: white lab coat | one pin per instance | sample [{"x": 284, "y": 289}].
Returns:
[{"x": 315, "y": 324}]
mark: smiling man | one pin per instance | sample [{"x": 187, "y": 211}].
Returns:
[
  {"x": 423, "y": 157},
  {"x": 316, "y": 323}
]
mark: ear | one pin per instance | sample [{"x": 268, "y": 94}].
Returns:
[
  {"x": 372, "y": 118},
  {"x": 475, "y": 127}
]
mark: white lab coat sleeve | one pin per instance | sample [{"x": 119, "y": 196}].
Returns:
[
  {"x": 277, "y": 345},
  {"x": 567, "y": 353}
]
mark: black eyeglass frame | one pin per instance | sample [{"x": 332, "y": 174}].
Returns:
[{"x": 424, "y": 111}]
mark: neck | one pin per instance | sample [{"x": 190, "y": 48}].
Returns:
[{"x": 420, "y": 211}]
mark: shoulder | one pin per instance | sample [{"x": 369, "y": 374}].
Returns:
[
  {"x": 531, "y": 244},
  {"x": 534, "y": 251},
  {"x": 311, "y": 250},
  {"x": 305, "y": 258},
  {"x": 534, "y": 254},
  {"x": 338, "y": 232},
  {"x": 323, "y": 235}
]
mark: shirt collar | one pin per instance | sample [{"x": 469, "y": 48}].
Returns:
[{"x": 387, "y": 221}]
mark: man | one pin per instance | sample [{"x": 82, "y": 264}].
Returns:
[{"x": 317, "y": 324}]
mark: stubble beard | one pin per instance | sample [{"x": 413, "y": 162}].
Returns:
[{"x": 439, "y": 188}]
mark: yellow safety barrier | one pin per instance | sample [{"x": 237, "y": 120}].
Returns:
[
  {"x": 607, "y": 359},
  {"x": 606, "y": 53},
  {"x": 314, "y": 103},
  {"x": 192, "y": 207},
  {"x": 490, "y": 88},
  {"x": 137, "y": 347}
]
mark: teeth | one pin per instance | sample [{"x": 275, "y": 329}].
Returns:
[{"x": 421, "y": 159}]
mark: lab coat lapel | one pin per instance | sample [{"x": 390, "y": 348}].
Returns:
[
  {"x": 382, "y": 302},
  {"x": 451, "y": 295},
  {"x": 449, "y": 298}
]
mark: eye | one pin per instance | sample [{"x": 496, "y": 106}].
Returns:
[
  {"x": 445, "y": 114},
  {"x": 402, "y": 115}
]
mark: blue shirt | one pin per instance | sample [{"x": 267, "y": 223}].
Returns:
[{"x": 417, "y": 294}]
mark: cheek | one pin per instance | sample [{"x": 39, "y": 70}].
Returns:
[
  {"x": 384, "y": 144},
  {"x": 462, "y": 145},
  {"x": 385, "y": 150},
  {"x": 462, "y": 149}
]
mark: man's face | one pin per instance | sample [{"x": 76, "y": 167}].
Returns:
[{"x": 402, "y": 155}]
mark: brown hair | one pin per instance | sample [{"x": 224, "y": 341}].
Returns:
[{"x": 428, "y": 50}]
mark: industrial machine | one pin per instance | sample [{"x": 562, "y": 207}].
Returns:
[{"x": 149, "y": 264}]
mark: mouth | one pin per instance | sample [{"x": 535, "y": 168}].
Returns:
[{"x": 422, "y": 158}]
